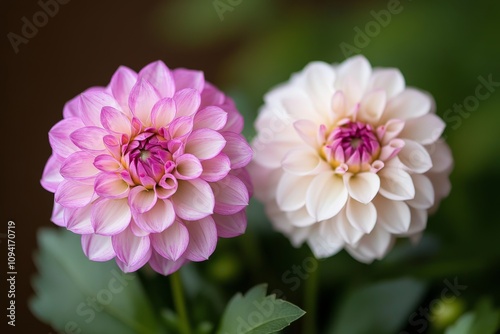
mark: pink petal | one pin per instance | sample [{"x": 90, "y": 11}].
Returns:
[
  {"x": 232, "y": 225},
  {"x": 132, "y": 252},
  {"x": 216, "y": 168},
  {"x": 89, "y": 138},
  {"x": 141, "y": 199},
  {"x": 97, "y": 247},
  {"x": 74, "y": 194},
  {"x": 211, "y": 117},
  {"x": 187, "y": 101},
  {"x": 202, "y": 239},
  {"x": 91, "y": 104},
  {"x": 188, "y": 167},
  {"x": 180, "y": 127},
  {"x": 234, "y": 121},
  {"x": 110, "y": 216},
  {"x": 142, "y": 99},
  {"x": 326, "y": 195},
  {"x": 107, "y": 163},
  {"x": 244, "y": 176},
  {"x": 115, "y": 121},
  {"x": 71, "y": 108},
  {"x": 78, "y": 220},
  {"x": 231, "y": 195},
  {"x": 121, "y": 84},
  {"x": 156, "y": 220},
  {"x": 172, "y": 242},
  {"x": 79, "y": 166},
  {"x": 51, "y": 176},
  {"x": 110, "y": 185},
  {"x": 188, "y": 79},
  {"x": 59, "y": 136},
  {"x": 237, "y": 149},
  {"x": 164, "y": 266},
  {"x": 193, "y": 200},
  {"x": 158, "y": 74},
  {"x": 211, "y": 96},
  {"x": 205, "y": 144},
  {"x": 163, "y": 113},
  {"x": 58, "y": 215}
]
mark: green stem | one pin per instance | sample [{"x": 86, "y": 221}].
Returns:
[
  {"x": 180, "y": 303},
  {"x": 311, "y": 302}
]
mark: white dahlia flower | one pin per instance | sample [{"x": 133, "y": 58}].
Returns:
[{"x": 347, "y": 156}]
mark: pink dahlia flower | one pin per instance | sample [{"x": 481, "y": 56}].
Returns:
[
  {"x": 348, "y": 157},
  {"x": 150, "y": 168}
]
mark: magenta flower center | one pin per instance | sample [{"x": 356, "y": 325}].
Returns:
[{"x": 352, "y": 147}]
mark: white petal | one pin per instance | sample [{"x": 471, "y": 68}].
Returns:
[
  {"x": 300, "y": 217},
  {"x": 319, "y": 80},
  {"x": 424, "y": 130},
  {"x": 324, "y": 245},
  {"x": 362, "y": 186},
  {"x": 424, "y": 192},
  {"x": 394, "y": 216},
  {"x": 326, "y": 196},
  {"x": 389, "y": 79},
  {"x": 415, "y": 157},
  {"x": 372, "y": 246},
  {"x": 442, "y": 159},
  {"x": 361, "y": 216},
  {"x": 418, "y": 221},
  {"x": 291, "y": 191},
  {"x": 303, "y": 161},
  {"x": 342, "y": 226},
  {"x": 396, "y": 184},
  {"x": 352, "y": 78},
  {"x": 372, "y": 106},
  {"x": 410, "y": 103}
]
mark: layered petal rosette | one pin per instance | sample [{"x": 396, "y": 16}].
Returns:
[
  {"x": 150, "y": 168},
  {"x": 347, "y": 156}
]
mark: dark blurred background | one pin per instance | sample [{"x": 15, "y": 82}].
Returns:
[{"x": 443, "y": 47}]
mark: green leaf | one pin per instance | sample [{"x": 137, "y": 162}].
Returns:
[
  {"x": 484, "y": 320},
  {"x": 256, "y": 313},
  {"x": 74, "y": 294},
  {"x": 378, "y": 308}
]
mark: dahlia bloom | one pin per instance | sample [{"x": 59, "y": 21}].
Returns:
[
  {"x": 150, "y": 168},
  {"x": 348, "y": 157}
]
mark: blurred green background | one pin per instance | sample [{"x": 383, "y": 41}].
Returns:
[{"x": 246, "y": 47}]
